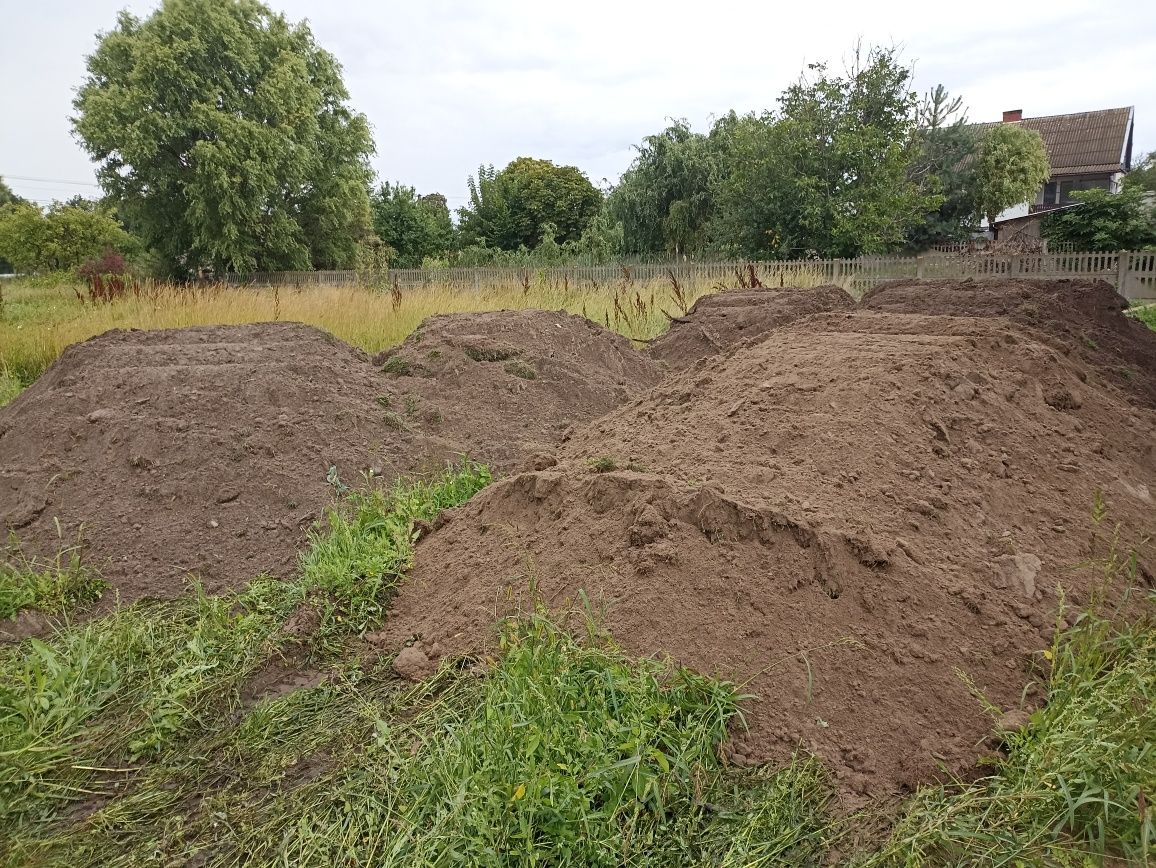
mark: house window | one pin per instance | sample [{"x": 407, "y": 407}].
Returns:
[
  {"x": 1067, "y": 188},
  {"x": 1048, "y": 194}
]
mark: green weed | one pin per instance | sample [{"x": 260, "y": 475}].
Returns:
[
  {"x": 490, "y": 354},
  {"x": 357, "y": 555},
  {"x": 519, "y": 368},
  {"x": 603, "y": 464},
  {"x": 53, "y": 587},
  {"x": 396, "y": 365},
  {"x": 1145, "y": 313}
]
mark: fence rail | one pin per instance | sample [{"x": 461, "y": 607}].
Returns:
[{"x": 1132, "y": 274}]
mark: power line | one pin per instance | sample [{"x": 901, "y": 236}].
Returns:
[{"x": 49, "y": 180}]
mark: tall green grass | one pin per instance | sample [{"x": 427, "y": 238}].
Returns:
[
  {"x": 566, "y": 753},
  {"x": 131, "y": 685}
]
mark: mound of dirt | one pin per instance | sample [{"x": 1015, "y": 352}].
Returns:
[
  {"x": 1081, "y": 318},
  {"x": 507, "y": 384},
  {"x": 841, "y": 518},
  {"x": 206, "y": 450},
  {"x": 724, "y": 321}
]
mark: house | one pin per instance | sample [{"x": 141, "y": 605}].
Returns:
[{"x": 1085, "y": 149}]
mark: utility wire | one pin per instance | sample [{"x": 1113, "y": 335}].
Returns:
[{"x": 49, "y": 180}]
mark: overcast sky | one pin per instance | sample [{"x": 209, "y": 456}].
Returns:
[{"x": 448, "y": 85}]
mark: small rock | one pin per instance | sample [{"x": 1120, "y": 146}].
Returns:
[
  {"x": 102, "y": 415},
  {"x": 214, "y": 523},
  {"x": 1011, "y": 721}
]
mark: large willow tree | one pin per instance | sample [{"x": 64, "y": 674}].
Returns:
[{"x": 224, "y": 136}]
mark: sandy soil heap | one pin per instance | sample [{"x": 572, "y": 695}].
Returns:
[
  {"x": 205, "y": 450},
  {"x": 724, "y": 321},
  {"x": 1081, "y": 318},
  {"x": 839, "y": 517},
  {"x": 510, "y": 383}
]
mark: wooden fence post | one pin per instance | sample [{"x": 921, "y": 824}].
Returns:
[{"x": 1122, "y": 271}]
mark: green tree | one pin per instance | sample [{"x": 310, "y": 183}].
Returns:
[
  {"x": 1011, "y": 166},
  {"x": 831, "y": 174},
  {"x": 665, "y": 201},
  {"x": 1105, "y": 221},
  {"x": 64, "y": 237},
  {"x": 224, "y": 137},
  {"x": 510, "y": 208},
  {"x": 1143, "y": 174},
  {"x": 415, "y": 226},
  {"x": 7, "y": 197},
  {"x": 945, "y": 165}
]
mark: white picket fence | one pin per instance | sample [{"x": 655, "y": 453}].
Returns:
[{"x": 1132, "y": 274}]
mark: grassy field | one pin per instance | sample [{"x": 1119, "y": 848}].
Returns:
[
  {"x": 138, "y": 738},
  {"x": 37, "y": 323}
]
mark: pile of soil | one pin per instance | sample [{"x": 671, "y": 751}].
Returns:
[
  {"x": 504, "y": 385},
  {"x": 206, "y": 450},
  {"x": 1081, "y": 318},
  {"x": 723, "y": 321},
  {"x": 841, "y": 518}
]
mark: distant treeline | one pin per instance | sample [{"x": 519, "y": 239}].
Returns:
[{"x": 238, "y": 152}]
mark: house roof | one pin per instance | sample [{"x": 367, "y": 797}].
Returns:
[{"x": 1084, "y": 142}]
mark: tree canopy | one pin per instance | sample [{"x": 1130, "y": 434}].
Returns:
[
  {"x": 415, "y": 227},
  {"x": 665, "y": 201},
  {"x": 510, "y": 209},
  {"x": 830, "y": 173},
  {"x": 7, "y": 197},
  {"x": 1143, "y": 174},
  {"x": 1011, "y": 166},
  {"x": 1105, "y": 221},
  {"x": 64, "y": 237},
  {"x": 945, "y": 165},
  {"x": 225, "y": 139}
]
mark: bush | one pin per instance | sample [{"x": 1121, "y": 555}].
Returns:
[{"x": 107, "y": 277}]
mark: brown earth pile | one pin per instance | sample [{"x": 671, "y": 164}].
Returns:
[
  {"x": 504, "y": 385},
  {"x": 1081, "y": 318},
  {"x": 842, "y": 518},
  {"x": 205, "y": 450},
  {"x": 724, "y": 321}
]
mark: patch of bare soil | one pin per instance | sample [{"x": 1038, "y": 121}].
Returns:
[
  {"x": 1080, "y": 318},
  {"x": 724, "y": 321},
  {"x": 852, "y": 519},
  {"x": 507, "y": 384},
  {"x": 204, "y": 451}
]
